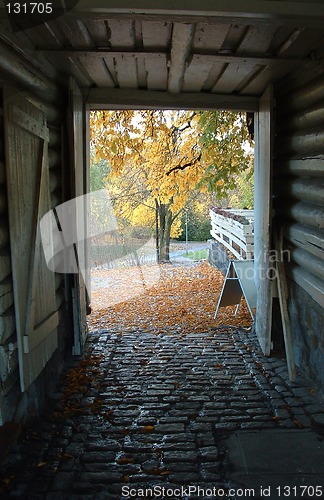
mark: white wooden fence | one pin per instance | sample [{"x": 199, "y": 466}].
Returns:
[{"x": 234, "y": 235}]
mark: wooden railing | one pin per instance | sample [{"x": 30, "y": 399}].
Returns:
[{"x": 234, "y": 229}]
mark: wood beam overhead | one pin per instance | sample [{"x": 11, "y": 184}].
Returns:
[
  {"x": 228, "y": 10},
  {"x": 142, "y": 99},
  {"x": 207, "y": 58},
  {"x": 182, "y": 37}
]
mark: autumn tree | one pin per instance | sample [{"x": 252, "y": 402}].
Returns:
[{"x": 162, "y": 157}]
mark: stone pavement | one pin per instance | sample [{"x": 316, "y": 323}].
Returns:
[{"x": 150, "y": 412}]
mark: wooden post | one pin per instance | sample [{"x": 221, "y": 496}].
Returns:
[{"x": 283, "y": 295}]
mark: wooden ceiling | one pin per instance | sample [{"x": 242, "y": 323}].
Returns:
[{"x": 176, "y": 54}]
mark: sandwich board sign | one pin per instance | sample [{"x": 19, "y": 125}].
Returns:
[{"x": 239, "y": 281}]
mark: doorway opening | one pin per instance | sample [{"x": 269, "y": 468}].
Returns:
[{"x": 162, "y": 171}]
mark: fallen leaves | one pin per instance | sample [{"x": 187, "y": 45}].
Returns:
[
  {"x": 148, "y": 428},
  {"x": 182, "y": 301},
  {"x": 125, "y": 460}
]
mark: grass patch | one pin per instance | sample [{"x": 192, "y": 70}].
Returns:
[{"x": 197, "y": 254}]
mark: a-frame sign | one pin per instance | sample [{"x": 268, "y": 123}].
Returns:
[{"x": 239, "y": 281}]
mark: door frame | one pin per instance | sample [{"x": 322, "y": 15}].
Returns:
[{"x": 262, "y": 218}]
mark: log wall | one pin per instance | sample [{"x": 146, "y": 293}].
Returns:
[{"x": 299, "y": 207}]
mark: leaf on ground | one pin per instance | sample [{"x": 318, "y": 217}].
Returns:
[
  {"x": 160, "y": 472},
  {"x": 125, "y": 460},
  {"x": 148, "y": 428}
]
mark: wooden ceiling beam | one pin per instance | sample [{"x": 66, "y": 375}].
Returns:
[
  {"x": 223, "y": 58},
  {"x": 229, "y": 8},
  {"x": 181, "y": 43},
  {"x": 107, "y": 98}
]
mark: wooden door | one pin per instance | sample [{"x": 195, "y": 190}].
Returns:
[
  {"x": 26, "y": 137},
  {"x": 262, "y": 218},
  {"x": 77, "y": 128}
]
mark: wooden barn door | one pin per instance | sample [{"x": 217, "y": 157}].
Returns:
[
  {"x": 77, "y": 128},
  {"x": 262, "y": 218},
  {"x": 27, "y": 139}
]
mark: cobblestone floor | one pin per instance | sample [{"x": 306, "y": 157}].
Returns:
[{"x": 143, "y": 411}]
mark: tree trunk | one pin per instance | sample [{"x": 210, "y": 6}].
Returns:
[
  {"x": 164, "y": 232},
  {"x": 157, "y": 239}
]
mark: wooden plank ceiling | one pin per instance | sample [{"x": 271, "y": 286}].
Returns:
[{"x": 164, "y": 54}]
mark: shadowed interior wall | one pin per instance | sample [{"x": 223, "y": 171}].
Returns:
[{"x": 299, "y": 207}]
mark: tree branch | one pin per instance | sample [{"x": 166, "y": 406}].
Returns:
[{"x": 185, "y": 165}]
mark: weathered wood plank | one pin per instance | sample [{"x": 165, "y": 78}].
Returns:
[
  {"x": 157, "y": 72},
  {"x": 125, "y": 67},
  {"x": 182, "y": 37},
  {"x": 79, "y": 300},
  {"x": 141, "y": 73},
  {"x": 99, "y": 31},
  {"x": 21, "y": 72},
  {"x": 209, "y": 37},
  {"x": 310, "y": 240},
  {"x": 29, "y": 123},
  {"x": 309, "y": 190},
  {"x": 310, "y": 118},
  {"x": 23, "y": 148},
  {"x": 233, "y": 76},
  {"x": 41, "y": 332},
  {"x": 301, "y": 42},
  {"x": 257, "y": 40},
  {"x": 68, "y": 65},
  {"x": 223, "y": 57},
  {"x": 196, "y": 74},
  {"x": 283, "y": 298},
  {"x": 75, "y": 31},
  {"x": 156, "y": 34},
  {"x": 98, "y": 71},
  {"x": 121, "y": 33},
  {"x": 307, "y": 214},
  {"x": 277, "y": 13},
  {"x": 301, "y": 143},
  {"x": 306, "y": 95},
  {"x": 310, "y": 283},
  {"x": 309, "y": 262},
  {"x": 305, "y": 167},
  {"x": 262, "y": 219},
  {"x": 272, "y": 72}
]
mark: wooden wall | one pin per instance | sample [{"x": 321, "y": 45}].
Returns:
[
  {"x": 15, "y": 405},
  {"x": 299, "y": 206},
  {"x": 9, "y": 374}
]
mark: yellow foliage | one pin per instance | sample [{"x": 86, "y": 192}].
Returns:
[
  {"x": 143, "y": 216},
  {"x": 158, "y": 159},
  {"x": 176, "y": 229}
]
